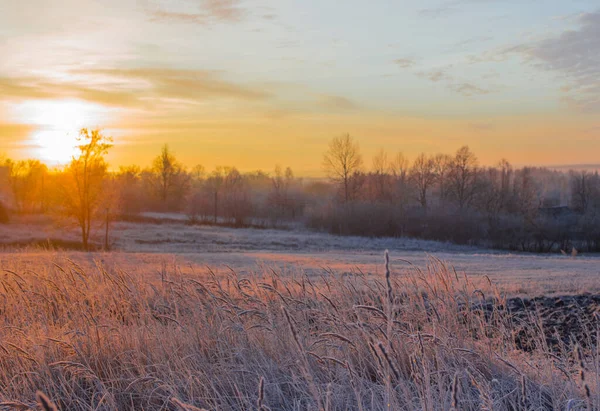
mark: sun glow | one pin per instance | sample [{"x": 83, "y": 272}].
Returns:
[{"x": 56, "y": 126}]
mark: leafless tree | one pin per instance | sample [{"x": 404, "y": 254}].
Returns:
[
  {"x": 526, "y": 193},
  {"x": 128, "y": 190},
  {"x": 463, "y": 176},
  {"x": 400, "y": 169},
  {"x": 442, "y": 166},
  {"x": 583, "y": 190},
  {"x": 381, "y": 176},
  {"x": 237, "y": 204},
  {"x": 341, "y": 161},
  {"x": 169, "y": 176},
  {"x": 195, "y": 199},
  {"x": 82, "y": 190},
  {"x": 423, "y": 175},
  {"x": 26, "y": 179},
  {"x": 279, "y": 197},
  {"x": 214, "y": 183},
  {"x": 506, "y": 175}
]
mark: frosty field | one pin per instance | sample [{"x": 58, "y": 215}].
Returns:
[
  {"x": 180, "y": 317},
  {"x": 143, "y": 247}
]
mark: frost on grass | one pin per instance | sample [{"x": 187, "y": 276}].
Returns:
[{"x": 101, "y": 335}]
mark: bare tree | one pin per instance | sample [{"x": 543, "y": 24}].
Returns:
[
  {"x": 237, "y": 204},
  {"x": 341, "y": 161},
  {"x": 582, "y": 190},
  {"x": 280, "y": 196},
  {"x": 26, "y": 180},
  {"x": 506, "y": 174},
  {"x": 128, "y": 190},
  {"x": 195, "y": 199},
  {"x": 169, "y": 176},
  {"x": 527, "y": 193},
  {"x": 400, "y": 169},
  {"x": 442, "y": 165},
  {"x": 83, "y": 187},
  {"x": 214, "y": 183},
  {"x": 381, "y": 176},
  {"x": 463, "y": 176},
  {"x": 423, "y": 175}
]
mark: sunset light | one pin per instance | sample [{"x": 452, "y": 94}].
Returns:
[
  {"x": 285, "y": 205},
  {"x": 56, "y": 125}
]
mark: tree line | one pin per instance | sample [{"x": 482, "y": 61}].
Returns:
[{"x": 447, "y": 197}]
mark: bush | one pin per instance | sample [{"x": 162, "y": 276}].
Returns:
[{"x": 387, "y": 220}]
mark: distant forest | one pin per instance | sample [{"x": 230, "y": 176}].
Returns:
[{"x": 446, "y": 197}]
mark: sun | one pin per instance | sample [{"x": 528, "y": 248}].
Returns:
[{"x": 56, "y": 126}]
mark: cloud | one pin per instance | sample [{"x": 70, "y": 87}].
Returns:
[
  {"x": 10, "y": 133},
  {"x": 204, "y": 12},
  {"x": 464, "y": 88},
  {"x": 468, "y": 89},
  {"x": 441, "y": 11},
  {"x": 405, "y": 62},
  {"x": 337, "y": 103},
  {"x": 132, "y": 87},
  {"x": 158, "y": 15},
  {"x": 225, "y": 10},
  {"x": 472, "y": 40},
  {"x": 575, "y": 56},
  {"x": 452, "y": 6},
  {"x": 184, "y": 84},
  {"x": 434, "y": 75}
]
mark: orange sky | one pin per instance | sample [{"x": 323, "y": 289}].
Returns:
[{"x": 259, "y": 83}]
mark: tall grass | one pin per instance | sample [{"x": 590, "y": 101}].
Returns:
[{"x": 106, "y": 339}]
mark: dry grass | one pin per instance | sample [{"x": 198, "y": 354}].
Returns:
[{"x": 101, "y": 338}]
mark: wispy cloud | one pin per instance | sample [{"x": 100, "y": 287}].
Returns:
[
  {"x": 203, "y": 12},
  {"x": 337, "y": 103},
  {"x": 468, "y": 89},
  {"x": 163, "y": 15},
  {"x": 9, "y": 133},
  {"x": 457, "y": 85},
  {"x": 132, "y": 87},
  {"x": 405, "y": 62},
  {"x": 434, "y": 75},
  {"x": 225, "y": 10},
  {"x": 575, "y": 56},
  {"x": 450, "y": 7},
  {"x": 441, "y": 11},
  {"x": 472, "y": 40}
]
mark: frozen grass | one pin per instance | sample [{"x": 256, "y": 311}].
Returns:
[
  {"x": 178, "y": 237},
  {"x": 96, "y": 335},
  {"x": 245, "y": 250}
]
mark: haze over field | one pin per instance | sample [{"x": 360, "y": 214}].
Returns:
[
  {"x": 242, "y": 82},
  {"x": 299, "y": 205}
]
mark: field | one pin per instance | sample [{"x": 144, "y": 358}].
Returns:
[
  {"x": 190, "y": 317},
  {"x": 141, "y": 246}
]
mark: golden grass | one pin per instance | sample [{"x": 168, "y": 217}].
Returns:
[{"x": 101, "y": 338}]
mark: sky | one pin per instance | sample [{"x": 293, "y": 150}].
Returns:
[{"x": 254, "y": 83}]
